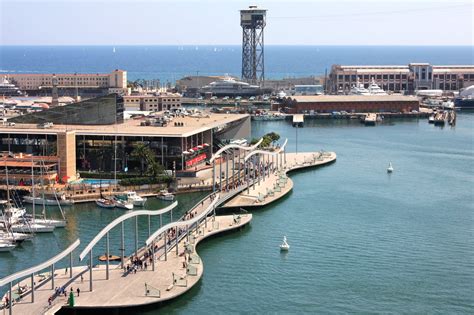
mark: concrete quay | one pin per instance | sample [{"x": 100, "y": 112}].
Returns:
[
  {"x": 277, "y": 184},
  {"x": 172, "y": 277}
]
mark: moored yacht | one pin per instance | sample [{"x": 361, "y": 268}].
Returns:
[
  {"x": 9, "y": 89},
  {"x": 230, "y": 87},
  {"x": 359, "y": 89},
  {"x": 374, "y": 89}
]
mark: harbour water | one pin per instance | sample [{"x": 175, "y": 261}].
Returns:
[{"x": 362, "y": 240}]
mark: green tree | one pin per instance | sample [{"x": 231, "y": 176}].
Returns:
[{"x": 147, "y": 158}]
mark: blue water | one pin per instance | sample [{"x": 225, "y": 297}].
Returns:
[
  {"x": 362, "y": 241},
  {"x": 169, "y": 63}
]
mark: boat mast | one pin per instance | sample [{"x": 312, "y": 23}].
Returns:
[
  {"x": 8, "y": 188},
  {"x": 33, "y": 189},
  {"x": 42, "y": 190}
]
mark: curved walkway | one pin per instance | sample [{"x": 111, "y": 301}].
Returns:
[{"x": 278, "y": 184}]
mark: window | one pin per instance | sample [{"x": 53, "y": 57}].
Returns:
[
  {"x": 392, "y": 77},
  {"x": 385, "y": 77},
  {"x": 379, "y": 77}
]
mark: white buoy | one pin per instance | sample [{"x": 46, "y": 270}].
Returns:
[
  {"x": 284, "y": 246},
  {"x": 390, "y": 168}
]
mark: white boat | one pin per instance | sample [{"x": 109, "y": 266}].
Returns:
[
  {"x": 164, "y": 195},
  {"x": 359, "y": 89},
  {"x": 134, "y": 198},
  {"x": 284, "y": 246},
  {"x": 105, "y": 203},
  {"x": 48, "y": 201},
  {"x": 230, "y": 87},
  {"x": 374, "y": 89},
  {"x": 431, "y": 119},
  {"x": 12, "y": 214},
  {"x": 6, "y": 246},
  {"x": 370, "y": 119},
  {"x": 390, "y": 168},
  {"x": 31, "y": 228},
  {"x": 123, "y": 204},
  {"x": 50, "y": 222},
  {"x": 281, "y": 95},
  {"x": 15, "y": 237}
]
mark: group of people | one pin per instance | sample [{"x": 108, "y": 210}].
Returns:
[
  {"x": 62, "y": 291},
  {"x": 136, "y": 263}
]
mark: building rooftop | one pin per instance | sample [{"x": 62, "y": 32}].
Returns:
[
  {"x": 352, "y": 98},
  {"x": 131, "y": 127}
]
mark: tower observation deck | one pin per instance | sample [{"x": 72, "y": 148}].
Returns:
[{"x": 253, "y": 22}]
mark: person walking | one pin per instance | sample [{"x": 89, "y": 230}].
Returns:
[{"x": 78, "y": 292}]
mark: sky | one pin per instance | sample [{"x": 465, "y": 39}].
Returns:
[{"x": 216, "y": 22}]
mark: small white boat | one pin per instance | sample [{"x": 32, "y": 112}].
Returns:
[
  {"x": 390, "y": 168},
  {"x": 431, "y": 119},
  {"x": 134, "y": 198},
  {"x": 6, "y": 246},
  {"x": 105, "y": 203},
  {"x": 48, "y": 201},
  {"x": 284, "y": 246},
  {"x": 164, "y": 195},
  {"x": 15, "y": 237},
  {"x": 31, "y": 228},
  {"x": 50, "y": 222},
  {"x": 123, "y": 204}
]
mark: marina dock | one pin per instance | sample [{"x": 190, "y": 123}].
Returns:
[{"x": 172, "y": 265}]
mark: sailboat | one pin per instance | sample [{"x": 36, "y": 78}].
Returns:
[
  {"x": 390, "y": 167},
  {"x": 102, "y": 201},
  {"x": 15, "y": 216},
  {"x": 43, "y": 220}
]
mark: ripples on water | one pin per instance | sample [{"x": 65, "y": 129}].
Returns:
[{"x": 362, "y": 241}]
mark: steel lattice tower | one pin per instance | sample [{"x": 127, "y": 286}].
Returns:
[{"x": 253, "y": 22}]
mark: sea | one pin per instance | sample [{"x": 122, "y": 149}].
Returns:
[
  {"x": 170, "y": 63},
  {"x": 362, "y": 241}
]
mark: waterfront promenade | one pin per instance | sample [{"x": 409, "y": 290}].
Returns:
[
  {"x": 169, "y": 264},
  {"x": 171, "y": 277},
  {"x": 277, "y": 184}
]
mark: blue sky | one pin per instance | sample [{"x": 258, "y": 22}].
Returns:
[{"x": 216, "y": 22}]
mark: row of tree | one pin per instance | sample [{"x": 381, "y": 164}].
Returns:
[{"x": 268, "y": 139}]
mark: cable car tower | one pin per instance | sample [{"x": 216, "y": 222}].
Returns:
[{"x": 253, "y": 22}]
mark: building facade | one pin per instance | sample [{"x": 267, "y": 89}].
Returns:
[
  {"x": 154, "y": 103},
  {"x": 401, "y": 79},
  {"x": 70, "y": 83},
  {"x": 350, "y": 103}
]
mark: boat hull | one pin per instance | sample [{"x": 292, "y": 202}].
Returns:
[
  {"x": 104, "y": 205},
  {"x": 47, "y": 202}
]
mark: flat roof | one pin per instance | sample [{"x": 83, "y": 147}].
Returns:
[
  {"x": 352, "y": 98},
  {"x": 131, "y": 127}
]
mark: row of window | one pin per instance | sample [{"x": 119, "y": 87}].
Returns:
[{"x": 353, "y": 77}]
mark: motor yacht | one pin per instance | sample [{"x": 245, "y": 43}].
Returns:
[
  {"x": 374, "y": 89},
  {"x": 164, "y": 195},
  {"x": 230, "y": 87},
  {"x": 359, "y": 89},
  {"x": 134, "y": 198}
]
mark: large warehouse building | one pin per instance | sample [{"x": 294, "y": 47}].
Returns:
[
  {"x": 409, "y": 78},
  {"x": 351, "y": 103}
]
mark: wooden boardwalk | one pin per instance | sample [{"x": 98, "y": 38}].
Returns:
[
  {"x": 170, "y": 279},
  {"x": 277, "y": 184}
]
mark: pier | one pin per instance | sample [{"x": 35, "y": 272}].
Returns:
[{"x": 167, "y": 265}]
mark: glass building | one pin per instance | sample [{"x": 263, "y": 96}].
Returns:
[{"x": 104, "y": 110}]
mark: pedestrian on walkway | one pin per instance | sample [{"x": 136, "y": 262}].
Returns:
[{"x": 78, "y": 292}]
